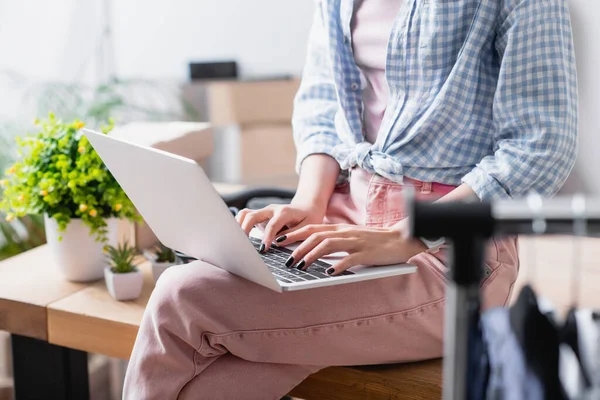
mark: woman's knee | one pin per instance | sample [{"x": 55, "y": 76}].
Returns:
[{"x": 181, "y": 284}]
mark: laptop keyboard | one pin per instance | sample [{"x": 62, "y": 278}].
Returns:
[{"x": 276, "y": 257}]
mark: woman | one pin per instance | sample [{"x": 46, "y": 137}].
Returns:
[{"x": 462, "y": 99}]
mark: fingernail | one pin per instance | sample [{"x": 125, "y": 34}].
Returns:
[
  {"x": 330, "y": 271},
  {"x": 262, "y": 247},
  {"x": 301, "y": 264},
  {"x": 289, "y": 261},
  {"x": 281, "y": 238}
]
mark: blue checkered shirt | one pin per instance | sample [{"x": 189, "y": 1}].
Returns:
[{"x": 482, "y": 92}]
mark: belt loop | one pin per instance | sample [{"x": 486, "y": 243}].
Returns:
[{"x": 426, "y": 188}]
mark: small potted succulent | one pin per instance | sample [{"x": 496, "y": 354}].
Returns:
[
  {"x": 123, "y": 280},
  {"x": 161, "y": 258}
]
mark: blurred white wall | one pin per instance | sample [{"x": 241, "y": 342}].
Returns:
[
  {"x": 153, "y": 38},
  {"x": 33, "y": 37},
  {"x": 585, "y": 15},
  {"x": 157, "y": 37}
]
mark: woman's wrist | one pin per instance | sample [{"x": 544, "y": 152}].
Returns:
[
  {"x": 317, "y": 182},
  {"x": 311, "y": 206},
  {"x": 316, "y": 201},
  {"x": 402, "y": 230}
]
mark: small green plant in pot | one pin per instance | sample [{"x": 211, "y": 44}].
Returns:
[
  {"x": 123, "y": 280},
  {"x": 60, "y": 176},
  {"x": 161, "y": 259},
  {"x": 165, "y": 254}
]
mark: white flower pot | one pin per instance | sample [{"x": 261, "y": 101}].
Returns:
[
  {"x": 124, "y": 286},
  {"x": 78, "y": 256},
  {"x": 159, "y": 267}
]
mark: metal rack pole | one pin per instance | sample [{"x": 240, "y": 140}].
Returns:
[
  {"x": 467, "y": 226},
  {"x": 461, "y": 314}
]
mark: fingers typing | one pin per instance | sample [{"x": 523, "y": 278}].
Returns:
[
  {"x": 327, "y": 246},
  {"x": 255, "y": 217},
  {"x": 275, "y": 225}
]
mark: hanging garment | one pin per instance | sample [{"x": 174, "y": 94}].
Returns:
[
  {"x": 539, "y": 341},
  {"x": 580, "y": 376},
  {"x": 509, "y": 376},
  {"x": 479, "y": 368}
]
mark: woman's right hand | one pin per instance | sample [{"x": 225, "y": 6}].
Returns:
[
  {"x": 280, "y": 219},
  {"x": 317, "y": 182}
]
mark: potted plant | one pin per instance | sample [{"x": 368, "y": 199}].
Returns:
[
  {"x": 161, "y": 258},
  {"x": 123, "y": 280},
  {"x": 60, "y": 176}
]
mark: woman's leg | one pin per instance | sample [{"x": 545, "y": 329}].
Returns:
[
  {"x": 209, "y": 334},
  {"x": 241, "y": 374},
  {"x": 200, "y": 313}
]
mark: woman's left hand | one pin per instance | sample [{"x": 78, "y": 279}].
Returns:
[{"x": 364, "y": 245}]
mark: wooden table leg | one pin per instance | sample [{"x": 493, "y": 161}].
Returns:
[{"x": 46, "y": 371}]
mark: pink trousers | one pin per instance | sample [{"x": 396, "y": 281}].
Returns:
[{"x": 208, "y": 334}]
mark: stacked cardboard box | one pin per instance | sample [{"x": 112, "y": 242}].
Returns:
[{"x": 252, "y": 130}]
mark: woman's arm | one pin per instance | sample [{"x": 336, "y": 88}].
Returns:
[
  {"x": 461, "y": 193},
  {"x": 316, "y": 102},
  {"x": 318, "y": 177},
  {"x": 315, "y": 136},
  {"x": 535, "y": 117},
  {"x": 535, "y": 104},
  {"x": 317, "y": 181}
]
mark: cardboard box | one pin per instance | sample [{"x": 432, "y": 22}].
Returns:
[
  {"x": 267, "y": 151},
  {"x": 255, "y": 155},
  {"x": 253, "y": 102},
  {"x": 192, "y": 140},
  {"x": 252, "y": 129}
]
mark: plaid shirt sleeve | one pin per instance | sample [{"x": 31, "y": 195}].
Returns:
[
  {"x": 535, "y": 105},
  {"x": 316, "y": 102}
]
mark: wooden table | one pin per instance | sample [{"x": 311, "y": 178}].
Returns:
[
  {"x": 29, "y": 283},
  {"x": 91, "y": 320}
]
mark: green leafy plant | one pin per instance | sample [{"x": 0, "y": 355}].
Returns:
[
  {"x": 164, "y": 254},
  {"x": 20, "y": 235},
  {"x": 123, "y": 258},
  {"x": 126, "y": 100},
  {"x": 61, "y": 175}
]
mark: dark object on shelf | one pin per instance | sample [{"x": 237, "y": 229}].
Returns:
[
  {"x": 213, "y": 70},
  {"x": 250, "y": 198}
]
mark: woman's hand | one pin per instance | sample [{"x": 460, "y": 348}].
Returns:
[
  {"x": 281, "y": 219},
  {"x": 317, "y": 181},
  {"x": 365, "y": 246}
]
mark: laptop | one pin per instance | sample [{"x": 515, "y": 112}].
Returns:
[{"x": 197, "y": 222}]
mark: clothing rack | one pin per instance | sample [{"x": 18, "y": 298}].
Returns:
[{"x": 467, "y": 226}]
